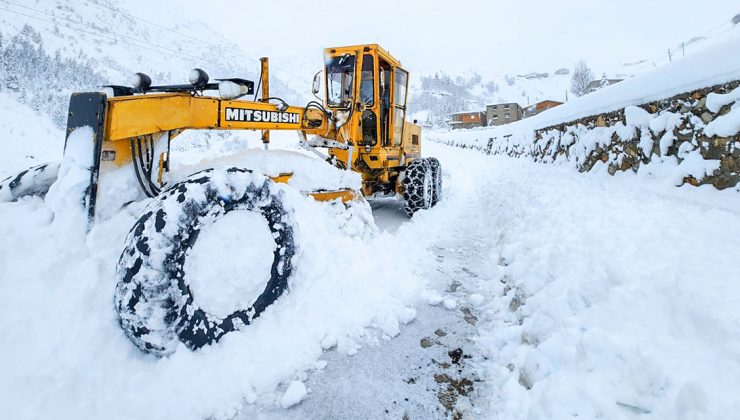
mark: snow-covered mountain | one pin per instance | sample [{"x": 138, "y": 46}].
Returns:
[
  {"x": 52, "y": 48},
  {"x": 113, "y": 42}
]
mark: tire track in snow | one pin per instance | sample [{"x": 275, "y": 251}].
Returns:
[{"x": 430, "y": 369}]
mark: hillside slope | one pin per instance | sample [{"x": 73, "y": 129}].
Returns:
[{"x": 111, "y": 42}]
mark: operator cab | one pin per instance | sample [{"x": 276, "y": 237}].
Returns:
[{"x": 368, "y": 83}]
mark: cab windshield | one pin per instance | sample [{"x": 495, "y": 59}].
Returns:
[{"x": 340, "y": 72}]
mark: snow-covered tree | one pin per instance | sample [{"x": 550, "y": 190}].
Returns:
[
  {"x": 440, "y": 95},
  {"x": 40, "y": 80},
  {"x": 510, "y": 80},
  {"x": 582, "y": 76},
  {"x": 491, "y": 87}
]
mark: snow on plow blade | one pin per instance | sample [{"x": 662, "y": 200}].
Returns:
[
  {"x": 86, "y": 109},
  {"x": 68, "y": 186}
]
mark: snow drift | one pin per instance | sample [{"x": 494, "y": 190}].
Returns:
[{"x": 65, "y": 355}]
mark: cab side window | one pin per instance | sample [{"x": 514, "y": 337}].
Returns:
[
  {"x": 399, "y": 112},
  {"x": 402, "y": 79},
  {"x": 367, "y": 80},
  {"x": 367, "y": 97},
  {"x": 385, "y": 101}
]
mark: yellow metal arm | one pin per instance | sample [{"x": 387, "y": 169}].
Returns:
[{"x": 141, "y": 115}]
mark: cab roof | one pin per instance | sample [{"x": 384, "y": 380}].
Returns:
[{"x": 363, "y": 47}]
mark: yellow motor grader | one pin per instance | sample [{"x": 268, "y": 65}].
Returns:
[{"x": 127, "y": 131}]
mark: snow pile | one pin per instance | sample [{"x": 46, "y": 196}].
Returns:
[
  {"x": 728, "y": 124},
  {"x": 65, "y": 355},
  {"x": 601, "y": 297},
  {"x": 617, "y": 305},
  {"x": 69, "y": 197},
  {"x": 309, "y": 173},
  {"x": 196, "y": 150},
  {"x": 27, "y": 137},
  {"x": 230, "y": 279},
  {"x": 295, "y": 393}
]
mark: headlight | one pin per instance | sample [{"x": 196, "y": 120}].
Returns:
[
  {"x": 198, "y": 77},
  {"x": 141, "y": 81},
  {"x": 231, "y": 90}
]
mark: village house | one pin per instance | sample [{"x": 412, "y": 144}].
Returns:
[
  {"x": 504, "y": 113},
  {"x": 499, "y": 114},
  {"x": 535, "y": 109},
  {"x": 468, "y": 119}
]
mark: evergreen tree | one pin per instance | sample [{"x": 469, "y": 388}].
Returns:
[{"x": 42, "y": 81}]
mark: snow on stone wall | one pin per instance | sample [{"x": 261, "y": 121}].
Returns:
[{"x": 693, "y": 137}]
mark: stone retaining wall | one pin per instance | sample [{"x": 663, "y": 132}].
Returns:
[{"x": 698, "y": 131}]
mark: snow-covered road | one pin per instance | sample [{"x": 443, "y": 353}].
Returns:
[
  {"x": 605, "y": 296},
  {"x": 586, "y": 294},
  {"x": 546, "y": 294},
  {"x": 426, "y": 371}
]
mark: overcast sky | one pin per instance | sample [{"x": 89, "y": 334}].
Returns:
[{"x": 485, "y": 36}]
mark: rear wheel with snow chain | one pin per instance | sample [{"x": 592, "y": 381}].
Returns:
[
  {"x": 418, "y": 184},
  {"x": 436, "y": 180},
  {"x": 34, "y": 181},
  {"x": 154, "y": 301}
]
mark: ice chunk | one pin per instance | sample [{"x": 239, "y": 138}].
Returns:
[
  {"x": 295, "y": 393},
  {"x": 475, "y": 299},
  {"x": 450, "y": 303}
]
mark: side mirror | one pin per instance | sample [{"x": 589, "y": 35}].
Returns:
[{"x": 316, "y": 86}]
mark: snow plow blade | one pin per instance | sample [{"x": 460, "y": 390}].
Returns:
[{"x": 87, "y": 109}]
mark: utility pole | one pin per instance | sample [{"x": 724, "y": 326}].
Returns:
[
  {"x": 683, "y": 48},
  {"x": 669, "y": 55}
]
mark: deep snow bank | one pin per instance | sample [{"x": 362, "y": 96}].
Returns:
[
  {"x": 64, "y": 354},
  {"x": 602, "y": 297},
  {"x": 27, "y": 137}
]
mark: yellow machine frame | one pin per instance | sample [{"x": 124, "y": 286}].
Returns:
[{"x": 151, "y": 115}]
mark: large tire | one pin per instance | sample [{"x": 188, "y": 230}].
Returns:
[
  {"x": 154, "y": 302},
  {"x": 417, "y": 186},
  {"x": 34, "y": 181},
  {"x": 437, "y": 180}
]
